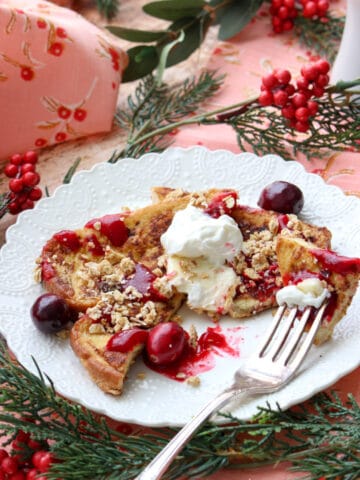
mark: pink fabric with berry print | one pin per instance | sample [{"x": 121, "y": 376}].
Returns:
[{"x": 59, "y": 76}]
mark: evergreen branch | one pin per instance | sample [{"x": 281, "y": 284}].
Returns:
[
  {"x": 335, "y": 126},
  {"x": 109, "y": 8},
  {"x": 321, "y": 438},
  {"x": 322, "y": 37},
  {"x": 153, "y": 107}
]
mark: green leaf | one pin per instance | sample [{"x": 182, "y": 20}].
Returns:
[
  {"x": 133, "y": 35},
  {"x": 194, "y": 30},
  {"x": 174, "y": 9},
  {"x": 235, "y": 16},
  {"x": 143, "y": 60}
]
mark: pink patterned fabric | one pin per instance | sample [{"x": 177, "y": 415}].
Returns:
[{"x": 59, "y": 76}]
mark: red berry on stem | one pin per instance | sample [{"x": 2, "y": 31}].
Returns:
[
  {"x": 318, "y": 91},
  {"x": 283, "y": 76},
  {"x": 322, "y": 80},
  {"x": 310, "y": 9},
  {"x": 310, "y": 72},
  {"x": 266, "y": 98},
  {"x": 16, "y": 159},
  {"x": 14, "y": 208},
  {"x": 269, "y": 81},
  {"x": 27, "y": 205},
  {"x": 30, "y": 157},
  {"x": 312, "y": 107},
  {"x": 35, "y": 194},
  {"x": 16, "y": 185},
  {"x": 302, "y": 83},
  {"x": 3, "y": 454},
  {"x": 11, "y": 170},
  {"x": 283, "y": 12},
  {"x": 27, "y": 167},
  {"x": 280, "y": 98},
  {"x": 299, "y": 100},
  {"x": 322, "y": 7},
  {"x": 288, "y": 111},
  {"x": 302, "y": 126},
  {"x": 302, "y": 114},
  {"x": 9, "y": 465},
  {"x": 30, "y": 179},
  {"x": 19, "y": 475},
  {"x": 323, "y": 66},
  {"x": 32, "y": 474}
]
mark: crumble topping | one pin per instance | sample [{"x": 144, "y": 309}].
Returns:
[
  {"x": 193, "y": 381},
  {"x": 163, "y": 287},
  {"x": 198, "y": 200}
]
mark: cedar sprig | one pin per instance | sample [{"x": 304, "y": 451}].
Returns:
[
  {"x": 321, "y": 437},
  {"x": 155, "y": 106},
  {"x": 320, "y": 36}
]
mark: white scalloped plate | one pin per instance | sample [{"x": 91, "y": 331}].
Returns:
[{"x": 156, "y": 400}]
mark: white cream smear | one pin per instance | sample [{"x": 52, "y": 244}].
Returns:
[
  {"x": 197, "y": 246},
  {"x": 308, "y": 292}
]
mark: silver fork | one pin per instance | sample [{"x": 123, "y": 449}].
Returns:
[{"x": 268, "y": 369}]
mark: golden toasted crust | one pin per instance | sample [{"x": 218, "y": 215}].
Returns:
[
  {"x": 298, "y": 256},
  {"x": 108, "y": 369}
]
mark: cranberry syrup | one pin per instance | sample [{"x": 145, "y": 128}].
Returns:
[
  {"x": 336, "y": 263},
  {"x": 126, "y": 340},
  {"x": 214, "y": 342},
  {"x": 68, "y": 239}
]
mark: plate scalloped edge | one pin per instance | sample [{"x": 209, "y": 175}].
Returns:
[{"x": 103, "y": 189}]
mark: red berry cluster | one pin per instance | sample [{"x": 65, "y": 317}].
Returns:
[
  {"x": 24, "y": 178},
  {"x": 28, "y": 459},
  {"x": 297, "y": 104},
  {"x": 314, "y": 8},
  {"x": 284, "y": 12}
]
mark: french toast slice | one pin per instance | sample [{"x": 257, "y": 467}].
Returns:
[
  {"x": 117, "y": 280},
  {"x": 256, "y": 265},
  {"x": 299, "y": 259},
  {"x": 107, "y": 369}
]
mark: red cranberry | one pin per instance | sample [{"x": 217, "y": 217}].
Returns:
[
  {"x": 283, "y": 197},
  {"x": 51, "y": 314},
  {"x": 166, "y": 343}
]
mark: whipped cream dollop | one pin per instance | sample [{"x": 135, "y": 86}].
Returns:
[
  {"x": 308, "y": 292},
  {"x": 198, "y": 247}
]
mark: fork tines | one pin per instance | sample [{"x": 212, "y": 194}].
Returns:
[{"x": 285, "y": 335}]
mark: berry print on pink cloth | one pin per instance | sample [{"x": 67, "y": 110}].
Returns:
[{"x": 59, "y": 76}]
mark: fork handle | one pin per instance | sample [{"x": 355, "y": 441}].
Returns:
[{"x": 161, "y": 462}]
